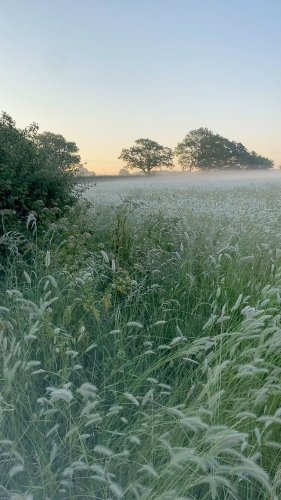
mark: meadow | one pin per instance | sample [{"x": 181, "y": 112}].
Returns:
[{"x": 140, "y": 339}]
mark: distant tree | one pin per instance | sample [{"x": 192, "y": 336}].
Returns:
[
  {"x": 147, "y": 155},
  {"x": 82, "y": 171},
  {"x": 205, "y": 150},
  {"x": 124, "y": 171}
]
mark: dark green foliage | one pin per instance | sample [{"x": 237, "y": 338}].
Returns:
[
  {"x": 205, "y": 150},
  {"x": 147, "y": 155},
  {"x": 36, "y": 170}
]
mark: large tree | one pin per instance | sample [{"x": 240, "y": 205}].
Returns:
[
  {"x": 203, "y": 149},
  {"x": 58, "y": 153},
  {"x": 147, "y": 155}
]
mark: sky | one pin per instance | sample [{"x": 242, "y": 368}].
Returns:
[{"x": 107, "y": 72}]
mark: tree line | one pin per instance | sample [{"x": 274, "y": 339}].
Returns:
[
  {"x": 200, "y": 149},
  {"x": 37, "y": 170}
]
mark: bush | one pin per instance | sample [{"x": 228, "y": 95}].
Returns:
[{"x": 36, "y": 170}]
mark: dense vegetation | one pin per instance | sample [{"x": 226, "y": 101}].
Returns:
[
  {"x": 140, "y": 348},
  {"x": 36, "y": 169}
]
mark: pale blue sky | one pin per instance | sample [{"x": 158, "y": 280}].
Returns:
[{"x": 106, "y": 72}]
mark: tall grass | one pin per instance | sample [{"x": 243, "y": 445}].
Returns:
[{"x": 140, "y": 349}]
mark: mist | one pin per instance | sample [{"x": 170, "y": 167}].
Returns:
[{"x": 183, "y": 181}]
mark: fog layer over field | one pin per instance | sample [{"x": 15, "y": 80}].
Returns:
[{"x": 184, "y": 180}]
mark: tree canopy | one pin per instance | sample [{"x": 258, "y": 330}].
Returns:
[
  {"x": 147, "y": 155},
  {"x": 203, "y": 149},
  {"x": 58, "y": 153},
  {"x": 35, "y": 169}
]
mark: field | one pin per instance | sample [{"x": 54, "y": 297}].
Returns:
[{"x": 140, "y": 343}]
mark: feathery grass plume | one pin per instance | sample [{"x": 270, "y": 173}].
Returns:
[
  {"x": 47, "y": 259},
  {"x": 63, "y": 394}
]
